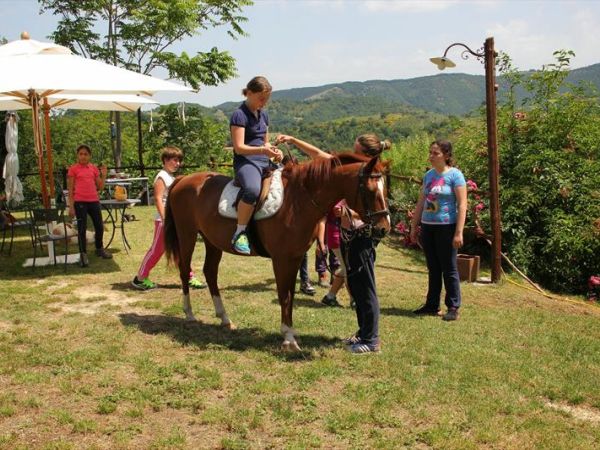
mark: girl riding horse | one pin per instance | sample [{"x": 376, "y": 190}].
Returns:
[{"x": 250, "y": 138}]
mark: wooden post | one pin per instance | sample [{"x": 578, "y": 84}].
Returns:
[
  {"x": 140, "y": 144},
  {"x": 493, "y": 163},
  {"x": 37, "y": 140},
  {"x": 46, "y": 109}
]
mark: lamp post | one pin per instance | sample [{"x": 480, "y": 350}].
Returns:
[{"x": 489, "y": 59}]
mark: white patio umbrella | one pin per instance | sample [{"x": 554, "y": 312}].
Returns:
[
  {"x": 10, "y": 172},
  {"x": 108, "y": 102},
  {"x": 33, "y": 71}
]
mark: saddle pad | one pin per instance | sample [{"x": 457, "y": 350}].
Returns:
[{"x": 270, "y": 207}]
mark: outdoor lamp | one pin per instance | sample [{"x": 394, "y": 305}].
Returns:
[
  {"x": 487, "y": 55},
  {"x": 442, "y": 62}
]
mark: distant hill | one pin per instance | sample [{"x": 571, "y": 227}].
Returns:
[{"x": 445, "y": 93}]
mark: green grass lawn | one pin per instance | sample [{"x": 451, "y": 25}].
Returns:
[{"x": 88, "y": 362}]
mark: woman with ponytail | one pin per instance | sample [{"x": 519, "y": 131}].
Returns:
[{"x": 358, "y": 253}]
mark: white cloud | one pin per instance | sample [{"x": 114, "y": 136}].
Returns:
[
  {"x": 530, "y": 44},
  {"x": 416, "y": 6}
]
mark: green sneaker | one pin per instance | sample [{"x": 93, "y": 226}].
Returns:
[
  {"x": 144, "y": 284},
  {"x": 241, "y": 244},
  {"x": 195, "y": 283}
]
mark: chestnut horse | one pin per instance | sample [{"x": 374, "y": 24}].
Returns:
[{"x": 311, "y": 189}]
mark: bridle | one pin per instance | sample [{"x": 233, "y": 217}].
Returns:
[{"x": 370, "y": 215}]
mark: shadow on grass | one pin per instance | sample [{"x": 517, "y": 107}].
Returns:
[
  {"x": 12, "y": 266},
  {"x": 393, "y": 311},
  {"x": 267, "y": 284},
  {"x": 209, "y": 336},
  {"x": 400, "y": 269}
]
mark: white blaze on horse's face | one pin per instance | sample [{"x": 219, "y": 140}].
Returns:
[{"x": 381, "y": 195}]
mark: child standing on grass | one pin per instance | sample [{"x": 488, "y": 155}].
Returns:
[
  {"x": 84, "y": 180},
  {"x": 332, "y": 239},
  {"x": 171, "y": 159}
]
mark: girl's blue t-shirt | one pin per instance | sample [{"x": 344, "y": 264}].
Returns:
[
  {"x": 255, "y": 126},
  {"x": 440, "y": 199}
]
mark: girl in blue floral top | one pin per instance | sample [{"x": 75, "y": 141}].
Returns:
[{"x": 441, "y": 210}]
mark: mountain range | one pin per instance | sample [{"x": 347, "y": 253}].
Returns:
[{"x": 445, "y": 93}]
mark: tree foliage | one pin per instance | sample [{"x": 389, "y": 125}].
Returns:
[
  {"x": 136, "y": 34},
  {"x": 549, "y": 173},
  {"x": 201, "y": 137}
]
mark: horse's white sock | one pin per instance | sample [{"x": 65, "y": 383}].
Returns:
[{"x": 240, "y": 228}]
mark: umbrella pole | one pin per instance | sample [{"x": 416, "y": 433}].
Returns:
[
  {"x": 46, "y": 109},
  {"x": 37, "y": 139}
]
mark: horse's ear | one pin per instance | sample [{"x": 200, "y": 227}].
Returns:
[{"x": 371, "y": 164}]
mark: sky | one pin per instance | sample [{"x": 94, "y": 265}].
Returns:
[{"x": 299, "y": 43}]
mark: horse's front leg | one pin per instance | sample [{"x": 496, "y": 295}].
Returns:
[
  {"x": 286, "y": 271},
  {"x": 211, "y": 274}
]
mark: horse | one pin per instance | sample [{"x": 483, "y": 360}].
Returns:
[{"x": 311, "y": 189}]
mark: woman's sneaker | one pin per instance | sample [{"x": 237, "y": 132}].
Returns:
[
  {"x": 83, "y": 260},
  {"x": 452, "y": 314},
  {"x": 362, "y": 347},
  {"x": 103, "y": 253},
  {"x": 241, "y": 244},
  {"x": 307, "y": 288},
  {"x": 354, "y": 339},
  {"x": 427, "y": 311},
  {"x": 144, "y": 284},
  {"x": 195, "y": 283}
]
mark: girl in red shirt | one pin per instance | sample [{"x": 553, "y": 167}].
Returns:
[{"x": 84, "y": 180}]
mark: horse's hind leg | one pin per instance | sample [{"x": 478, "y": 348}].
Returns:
[
  {"x": 211, "y": 274},
  {"x": 185, "y": 267}
]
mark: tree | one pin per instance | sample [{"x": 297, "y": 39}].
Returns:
[
  {"x": 550, "y": 166},
  {"x": 139, "y": 33}
]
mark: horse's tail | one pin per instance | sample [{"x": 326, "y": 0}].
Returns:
[{"x": 170, "y": 229}]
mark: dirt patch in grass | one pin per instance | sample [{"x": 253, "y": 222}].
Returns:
[
  {"x": 586, "y": 414},
  {"x": 97, "y": 299}
]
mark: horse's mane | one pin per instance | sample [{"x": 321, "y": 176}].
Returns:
[
  {"x": 318, "y": 171},
  {"x": 315, "y": 174}
]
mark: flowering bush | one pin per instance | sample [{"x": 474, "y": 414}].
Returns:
[
  {"x": 403, "y": 228},
  {"x": 475, "y": 206},
  {"x": 594, "y": 288}
]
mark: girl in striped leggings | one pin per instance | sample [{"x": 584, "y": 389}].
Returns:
[{"x": 171, "y": 159}]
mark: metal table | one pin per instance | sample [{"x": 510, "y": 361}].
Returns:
[
  {"x": 110, "y": 182},
  {"x": 118, "y": 207}
]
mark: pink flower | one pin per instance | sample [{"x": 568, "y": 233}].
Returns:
[
  {"x": 479, "y": 206},
  {"x": 471, "y": 185},
  {"x": 401, "y": 228}
]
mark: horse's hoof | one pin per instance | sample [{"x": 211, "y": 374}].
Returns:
[
  {"x": 230, "y": 326},
  {"x": 290, "y": 347},
  {"x": 190, "y": 318}
]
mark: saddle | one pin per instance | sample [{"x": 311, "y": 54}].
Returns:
[{"x": 269, "y": 202}]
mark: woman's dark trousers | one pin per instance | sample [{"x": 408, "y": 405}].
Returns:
[
  {"x": 360, "y": 268},
  {"x": 441, "y": 264},
  {"x": 82, "y": 210}
]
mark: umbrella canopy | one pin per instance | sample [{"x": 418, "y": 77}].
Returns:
[
  {"x": 108, "y": 102},
  {"x": 12, "y": 184},
  {"x": 47, "y": 69},
  {"x": 33, "y": 71},
  {"x": 27, "y": 46}
]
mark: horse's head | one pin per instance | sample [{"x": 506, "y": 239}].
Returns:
[{"x": 370, "y": 200}]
